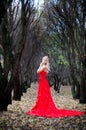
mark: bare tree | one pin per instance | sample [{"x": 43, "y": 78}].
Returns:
[
  {"x": 20, "y": 39},
  {"x": 67, "y": 22}
]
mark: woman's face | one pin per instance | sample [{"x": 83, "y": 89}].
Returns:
[{"x": 45, "y": 59}]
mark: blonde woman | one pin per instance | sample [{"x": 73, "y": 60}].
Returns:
[{"x": 44, "y": 105}]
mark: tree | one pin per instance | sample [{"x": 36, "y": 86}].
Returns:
[
  {"x": 18, "y": 29},
  {"x": 66, "y": 19}
]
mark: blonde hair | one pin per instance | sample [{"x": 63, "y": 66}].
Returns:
[{"x": 48, "y": 65}]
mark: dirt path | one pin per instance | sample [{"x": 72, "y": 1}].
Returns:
[{"x": 16, "y": 119}]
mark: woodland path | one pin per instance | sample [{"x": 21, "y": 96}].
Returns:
[{"x": 16, "y": 119}]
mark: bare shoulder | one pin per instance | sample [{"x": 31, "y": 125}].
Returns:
[{"x": 44, "y": 66}]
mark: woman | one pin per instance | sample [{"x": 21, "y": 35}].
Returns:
[{"x": 44, "y": 105}]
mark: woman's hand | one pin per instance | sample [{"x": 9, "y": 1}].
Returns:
[{"x": 42, "y": 68}]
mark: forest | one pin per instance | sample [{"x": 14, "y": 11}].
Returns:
[{"x": 28, "y": 32}]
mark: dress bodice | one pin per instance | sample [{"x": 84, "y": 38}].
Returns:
[{"x": 42, "y": 75}]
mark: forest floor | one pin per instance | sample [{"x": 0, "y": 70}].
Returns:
[{"x": 16, "y": 119}]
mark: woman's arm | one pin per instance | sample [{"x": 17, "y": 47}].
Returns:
[{"x": 41, "y": 68}]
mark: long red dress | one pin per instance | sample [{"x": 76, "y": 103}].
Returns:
[{"x": 45, "y": 106}]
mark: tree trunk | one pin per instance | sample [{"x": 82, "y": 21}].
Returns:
[
  {"x": 73, "y": 90},
  {"x": 17, "y": 88},
  {"x": 3, "y": 99},
  {"x": 83, "y": 83},
  {"x": 56, "y": 83},
  {"x": 5, "y": 91},
  {"x": 16, "y": 81}
]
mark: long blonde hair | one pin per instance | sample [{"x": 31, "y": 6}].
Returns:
[{"x": 48, "y": 65}]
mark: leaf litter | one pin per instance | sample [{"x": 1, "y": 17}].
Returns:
[{"x": 16, "y": 119}]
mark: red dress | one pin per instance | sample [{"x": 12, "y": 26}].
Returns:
[{"x": 45, "y": 105}]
